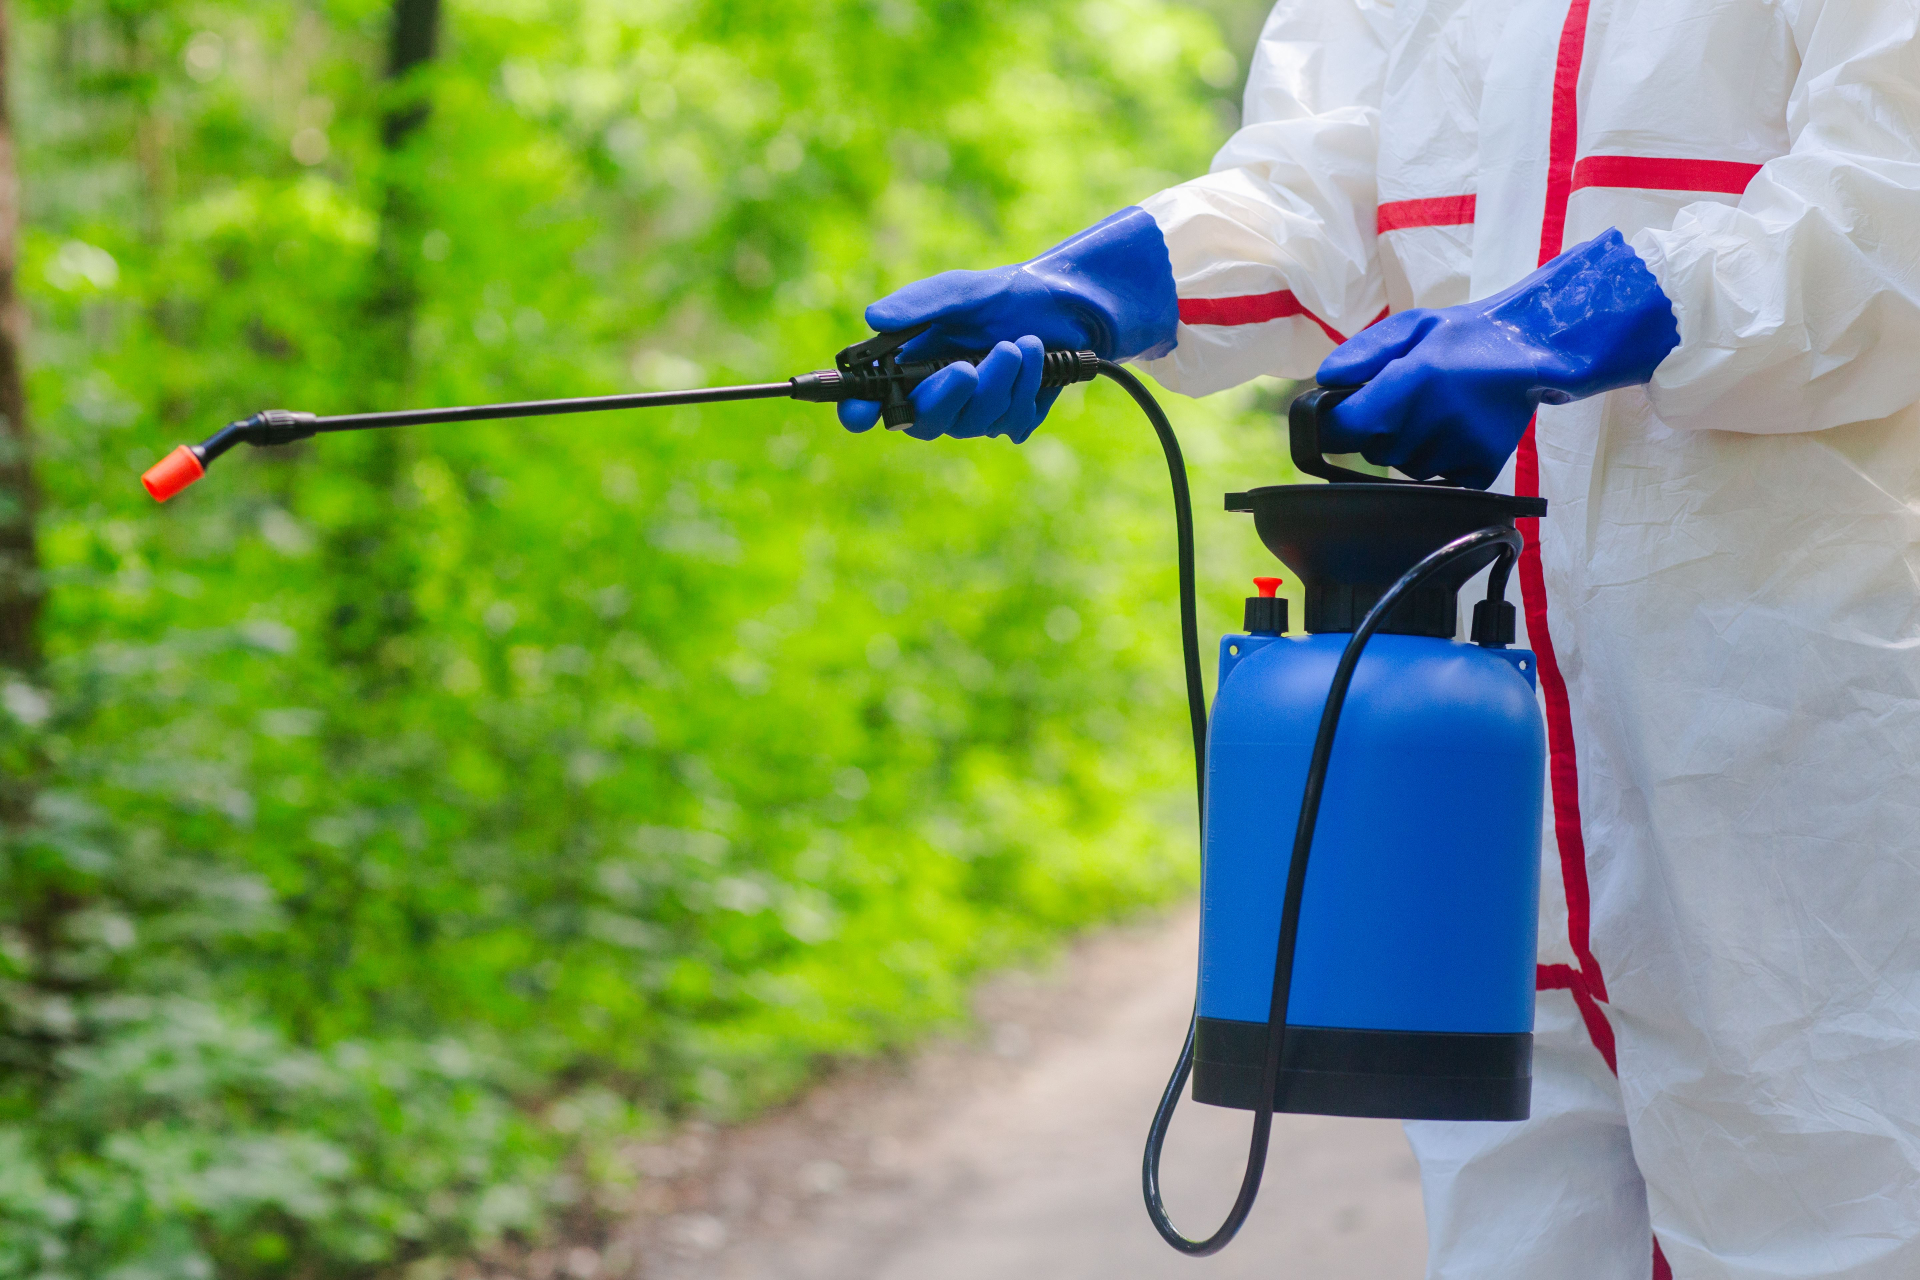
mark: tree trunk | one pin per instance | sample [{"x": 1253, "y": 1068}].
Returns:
[
  {"x": 39, "y": 905},
  {"x": 21, "y": 588},
  {"x": 414, "y": 37},
  {"x": 372, "y": 563}
]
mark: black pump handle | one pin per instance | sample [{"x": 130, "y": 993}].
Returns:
[{"x": 1304, "y": 419}]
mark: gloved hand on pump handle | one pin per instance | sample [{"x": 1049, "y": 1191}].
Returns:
[{"x": 1448, "y": 393}]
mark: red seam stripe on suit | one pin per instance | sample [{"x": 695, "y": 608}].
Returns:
[
  {"x": 1585, "y": 984},
  {"x": 1434, "y": 211},
  {"x": 1652, "y": 173},
  {"x": 1252, "y": 308},
  {"x": 1563, "y": 775},
  {"x": 1563, "y": 132},
  {"x": 1563, "y": 765},
  {"x": 1564, "y": 977}
]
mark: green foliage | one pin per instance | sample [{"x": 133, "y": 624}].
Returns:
[{"x": 422, "y": 809}]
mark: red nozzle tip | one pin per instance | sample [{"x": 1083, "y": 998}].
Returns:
[
  {"x": 173, "y": 473},
  {"x": 1267, "y": 585}
]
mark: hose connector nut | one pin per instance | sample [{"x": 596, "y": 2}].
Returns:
[{"x": 1495, "y": 624}]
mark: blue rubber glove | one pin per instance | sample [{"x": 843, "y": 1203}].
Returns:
[
  {"x": 1108, "y": 289},
  {"x": 1450, "y": 392}
]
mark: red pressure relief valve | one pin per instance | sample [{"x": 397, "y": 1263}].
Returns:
[{"x": 1266, "y": 612}]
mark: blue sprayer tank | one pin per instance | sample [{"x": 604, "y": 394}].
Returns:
[{"x": 1413, "y": 978}]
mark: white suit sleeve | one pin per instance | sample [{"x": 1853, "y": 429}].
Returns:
[
  {"x": 1273, "y": 251},
  {"x": 1799, "y": 307}
]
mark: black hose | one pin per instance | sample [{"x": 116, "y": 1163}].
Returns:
[
  {"x": 1507, "y": 537},
  {"x": 1183, "y": 535}
]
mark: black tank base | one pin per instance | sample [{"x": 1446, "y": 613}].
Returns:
[{"x": 1393, "y": 1075}]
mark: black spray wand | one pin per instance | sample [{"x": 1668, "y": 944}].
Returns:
[{"x": 867, "y": 370}]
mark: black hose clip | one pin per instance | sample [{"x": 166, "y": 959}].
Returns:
[{"x": 875, "y": 365}]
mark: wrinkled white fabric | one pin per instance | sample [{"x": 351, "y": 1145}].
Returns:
[
  {"x": 1289, "y": 204},
  {"x": 1729, "y": 579}
]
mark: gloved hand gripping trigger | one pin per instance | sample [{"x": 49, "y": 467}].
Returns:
[{"x": 872, "y": 370}]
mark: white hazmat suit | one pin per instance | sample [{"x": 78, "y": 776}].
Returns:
[{"x": 1725, "y": 595}]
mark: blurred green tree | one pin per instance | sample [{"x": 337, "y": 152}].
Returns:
[{"x": 429, "y": 809}]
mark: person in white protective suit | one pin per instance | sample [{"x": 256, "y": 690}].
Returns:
[{"x": 1725, "y": 599}]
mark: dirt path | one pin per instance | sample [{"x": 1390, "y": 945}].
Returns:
[{"x": 1016, "y": 1158}]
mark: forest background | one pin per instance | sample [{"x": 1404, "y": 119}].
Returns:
[{"x": 393, "y": 824}]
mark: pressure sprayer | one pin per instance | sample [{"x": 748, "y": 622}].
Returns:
[
  {"x": 1385, "y": 965},
  {"x": 1394, "y": 978}
]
